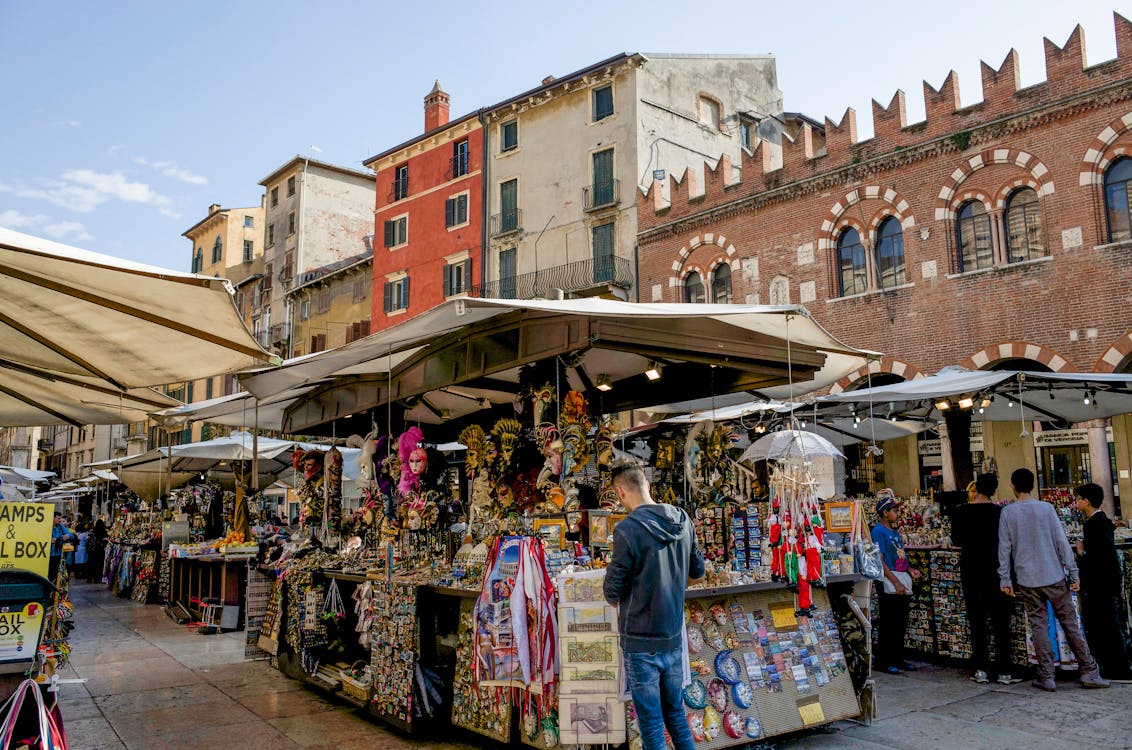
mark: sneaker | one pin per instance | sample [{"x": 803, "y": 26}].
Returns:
[
  {"x": 980, "y": 677},
  {"x": 890, "y": 670},
  {"x": 1093, "y": 681},
  {"x": 1005, "y": 679},
  {"x": 907, "y": 666},
  {"x": 1047, "y": 685}
]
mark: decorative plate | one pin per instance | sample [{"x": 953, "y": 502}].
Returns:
[
  {"x": 695, "y": 695},
  {"x": 733, "y": 724},
  {"x": 727, "y": 667},
  {"x": 742, "y": 694},
  {"x": 717, "y": 694}
]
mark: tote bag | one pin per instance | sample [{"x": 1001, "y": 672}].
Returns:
[{"x": 26, "y": 717}]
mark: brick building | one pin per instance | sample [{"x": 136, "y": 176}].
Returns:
[{"x": 992, "y": 235}]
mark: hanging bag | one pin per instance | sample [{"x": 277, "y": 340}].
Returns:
[
  {"x": 28, "y": 723},
  {"x": 866, "y": 554}
]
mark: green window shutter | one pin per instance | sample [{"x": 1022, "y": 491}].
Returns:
[
  {"x": 390, "y": 234},
  {"x": 450, "y": 212},
  {"x": 447, "y": 280},
  {"x": 388, "y": 295}
]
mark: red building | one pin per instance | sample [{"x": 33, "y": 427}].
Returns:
[
  {"x": 996, "y": 235},
  {"x": 427, "y": 223}
]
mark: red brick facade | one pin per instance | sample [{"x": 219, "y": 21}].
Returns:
[{"x": 778, "y": 228}]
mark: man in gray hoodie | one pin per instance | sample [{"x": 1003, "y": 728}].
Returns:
[
  {"x": 655, "y": 557},
  {"x": 1033, "y": 542}
]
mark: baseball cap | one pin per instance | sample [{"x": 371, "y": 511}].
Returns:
[{"x": 886, "y": 502}]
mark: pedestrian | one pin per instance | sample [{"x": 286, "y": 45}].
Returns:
[
  {"x": 61, "y": 538},
  {"x": 1031, "y": 539},
  {"x": 96, "y": 551},
  {"x": 896, "y": 597},
  {"x": 1100, "y": 586},
  {"x": 82, "y": 534},
  {"x": 974, "y": 529},
  {"x": 655, "y": 557}
]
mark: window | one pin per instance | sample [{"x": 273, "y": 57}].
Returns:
[
  {"x": 361, "y": 288},
  {"x": 508, "y": 273},
  {"x": 604, "y": 253},
  {"x": 721, "y": 284},
  {"x": 456, "y": 210},
  {"x": 603, "y": 102},
  {"x": 457, "y": 277},
  {"x": 604, "y": 190},
  {"x": 693, "y": 288},
  {"x": 401, "y": 182},
  {"x": 249, "y": 251},
  {"x": 208, "y": 389},
  {"x": 323, "y": 301},
  {"x": 747, "y": 130},
  {"x": 198, "y": 260},
  {"x": 318, "y": 343},
  {"x": 460, "y": 158},
  {"x": 274, "y": 197},
  {"x": 357, "y": 331},
  {"x": 1117, "y": 181},
  {"x": 509, "y": 206},
  {"x": 397, "y": 295},
  {"x": 290, "y": 222},
  {"x": 305, "y": 310},
  {"x": 974, "y": 236},
  {"x": 217, "y": 250},
  {"x": 248, "y": 222},
  {"x": 270, "y": 235},
  {"x": 397, "y": 231},
  {"x": 291, "y": 185},
  {"x": 709, "y": 112},
  {"x": 1024, "y": 239},
  {"x": 509, "y": 136},
  {"x": 267, "y": 276},
  {"x": 852, "y": 276},
  {"x": 287, "y": 271},
  {"x": 890, "y": 253}
]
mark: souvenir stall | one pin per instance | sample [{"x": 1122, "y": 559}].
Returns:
[
  {"x": 456, "y": 573},
  {"x": 130, "y": 566}
]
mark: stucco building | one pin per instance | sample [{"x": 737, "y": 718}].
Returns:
[
  {"x": 333, "y": 304},
  {"x": 995, "y": 235}
]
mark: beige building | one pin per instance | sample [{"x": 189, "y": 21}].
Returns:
[
  {"x": 332, "y": 304},
  {"x": 570, "y": 159},
  {"x": 317, "y": 214}
]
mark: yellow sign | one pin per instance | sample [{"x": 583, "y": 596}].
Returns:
[
  {"x": 19, "y": 632},
  {"x": 812, "y": 713},
  {"x": 783, "y": 615},
  {"x": 25, "y": 536}
]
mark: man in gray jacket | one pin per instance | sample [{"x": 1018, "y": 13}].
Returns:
[{"x": 1032, "y": 540}]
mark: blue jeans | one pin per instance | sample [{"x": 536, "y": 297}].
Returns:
[{"x": 654, "y": 681}]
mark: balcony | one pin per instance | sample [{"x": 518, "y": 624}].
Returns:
[
  {"x": 458, "y": 166},
  {"x": 263, "y": 338},
  {"x": 400, "y": 189},
  {"x": 507, "y": 222},
  {"x": 570, "y": 278},
  {"x": 287, "y": 272},
  {"x": 601, "y": 195},
  {"x": 279, "y": 332}
]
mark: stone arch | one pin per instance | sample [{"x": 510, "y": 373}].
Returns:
[
  {"x": 974, "y": 194},
  {"x": 988, "y": 355},
  {"x": 1007, "y": 189},
  {"x": 888, "y": 365},
  {"x": 945, "y": 201},
  {"x": 1115, "y": 355},
  {"x": 835, "y": 218},
  {"x": 708, "y": 238},
  {"x": 1101, "y": 151}
]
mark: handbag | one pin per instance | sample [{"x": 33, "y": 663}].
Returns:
[
  {"x": 866, "y": 554},
  {"x": 26, "y": 713}
]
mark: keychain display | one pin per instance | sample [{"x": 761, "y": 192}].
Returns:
[{"x": 393, "y": 650}]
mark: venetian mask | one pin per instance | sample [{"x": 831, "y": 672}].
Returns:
[
  {"x": 490, "y": 452},
  {"x": 418, "y": 461},
  {"x": 472, "y": 437}
]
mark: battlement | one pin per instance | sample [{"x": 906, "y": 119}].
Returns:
[{"x": 770, "y": 166}]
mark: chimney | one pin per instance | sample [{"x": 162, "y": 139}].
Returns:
[
  {"x": 435, "y": 108},
  {"x": 213, "y": 208}
]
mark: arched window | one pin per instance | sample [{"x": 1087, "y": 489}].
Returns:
[
  {"x": 852, "y": 277},
  {"x": 721, "y": 284},
  {"x": 890, "y": 253},
  {"x": 1024, "y": 238},
  {"x": 973, "y": 232},
  {"x": 1117, "y": 181},
  {"x": 217, "y": 250},
  {"x": 693, "y": 288}
]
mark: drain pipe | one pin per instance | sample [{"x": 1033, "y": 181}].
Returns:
[{"x": 485, "y": 195}]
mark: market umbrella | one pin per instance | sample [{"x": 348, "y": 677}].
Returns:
[
  {"x": 74, "y": 319},
  {"x": 786, "y": 445}
]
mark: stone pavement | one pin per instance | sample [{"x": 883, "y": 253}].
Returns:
[{"x": 151, "y": 683}]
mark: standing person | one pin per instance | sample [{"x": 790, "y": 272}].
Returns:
[
  {"x": 60, "y": 536},
  {"x": 1100, "y": 586},
  {"x": 655, "y": 557},
  {"x": 974, "y": 529},
  {"x": 82, "y": 534},
  {"x": 96, "y": 551},
  {"x": 896, "y": 597},
  {"x": 1030, "y": 538}
]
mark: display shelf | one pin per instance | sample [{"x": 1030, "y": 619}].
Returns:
[{"x": 762, "y": 586}]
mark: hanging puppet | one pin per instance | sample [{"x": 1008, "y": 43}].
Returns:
[
  {"x": 603, "y": 446},
  {"x": 332, "y": 486},
  {"x": 309, "y": 489}
]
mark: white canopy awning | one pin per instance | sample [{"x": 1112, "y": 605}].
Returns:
[{"x": 236, "y": 410}]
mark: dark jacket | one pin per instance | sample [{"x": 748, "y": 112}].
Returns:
[
  {"x": 1099, "y": 567},
  {"x": 654, "y": 555}
]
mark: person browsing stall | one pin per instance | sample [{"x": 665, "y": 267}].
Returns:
[
  {"x": 896, "y": 598},
  {"x": 1032, "y": 540},
  {"x": 655, "y": 557},
  {"x": 1100, "y": 586}
]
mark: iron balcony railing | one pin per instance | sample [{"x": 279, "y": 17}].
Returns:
[
  {"x": 506, "y": 222},
  {"x": 601, "y": 195},
  {"x": 280, "y": 332},
  {"x": 458, "y": 167},
  {"x": 400, "y": 188},
  {"x": 571, "y": 277}
]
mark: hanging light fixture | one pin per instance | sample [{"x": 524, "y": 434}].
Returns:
[
  {"x": 943, "y": 404},
  {"x": 604, "y": 383},
  {"x": 966, "y": 402},
  {"x": 653, "y": 373}
]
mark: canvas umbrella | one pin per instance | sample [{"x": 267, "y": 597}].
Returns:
[{"x": 787, "y": 445}]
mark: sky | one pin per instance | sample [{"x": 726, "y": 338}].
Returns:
[{"x": 121, "y": 122}]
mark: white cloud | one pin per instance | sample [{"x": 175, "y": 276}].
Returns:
[
  {"x": 167, "y": 168},
  {"x": 69, "y": 123},
  {"x": 42, "y": 224},
  {"x": 83, "y": 190}
]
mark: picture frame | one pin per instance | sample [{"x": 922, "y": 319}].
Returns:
[
  {"x": 839, "y": 517},
  {"x": 601, "y": 533},
  {"x": 665, "y": 454},
  {"x": 552, "y": 531},
  {"x": 614, "y": 519}
]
